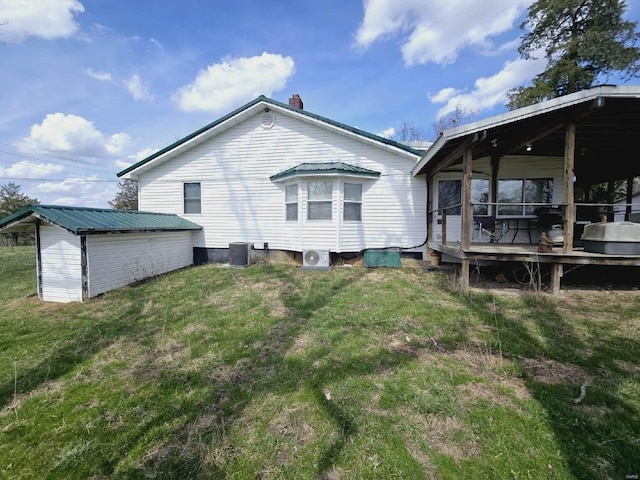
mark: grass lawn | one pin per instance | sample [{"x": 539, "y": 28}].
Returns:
[{"x": 276, "y": 372}]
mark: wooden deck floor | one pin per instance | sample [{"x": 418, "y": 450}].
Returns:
[{"x": 529, "y": 253}]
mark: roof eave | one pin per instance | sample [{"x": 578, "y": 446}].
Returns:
[
  {"x": 522, "y": 114},
  {"x": 210, "y": 129}
]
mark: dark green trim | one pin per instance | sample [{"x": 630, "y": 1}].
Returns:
[
  {"x": 275, "y": 103},
  {"x": 327, "y": 168}
]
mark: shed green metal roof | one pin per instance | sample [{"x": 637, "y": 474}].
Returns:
[
  {"x": 324, "y": 168},
  {"x": 82, "y": 220},
  {"x": 267, "y": 100}
]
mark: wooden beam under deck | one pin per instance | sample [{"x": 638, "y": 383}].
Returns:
[{"x": 528, "y": 253}]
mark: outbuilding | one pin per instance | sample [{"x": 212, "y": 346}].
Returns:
[{"x": 84, "y": 252}]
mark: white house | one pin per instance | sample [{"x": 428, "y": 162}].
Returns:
[
  {"x": 83, "y": 252},
  {"x": 281, "y": 178}
]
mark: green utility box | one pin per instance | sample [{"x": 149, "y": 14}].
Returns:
[{"x": 382, "y": 258}]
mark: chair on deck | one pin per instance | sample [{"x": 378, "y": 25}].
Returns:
[{"x": 485, "y": 227}]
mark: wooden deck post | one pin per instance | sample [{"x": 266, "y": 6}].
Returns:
[
  {"x": 443, "y": 232},
  {"x": 569, "y": 200},
  {"x": 464, "y": 276},
  {"x": 627, "y": 210},
  {"x": 495, "y": 165},
  {"x": 556, "y": 275},
  {"x": 467, "y": 160}
]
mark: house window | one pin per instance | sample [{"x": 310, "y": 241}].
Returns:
[
  {"x": 192, "y": 198},
  {"x": 291, "y": 202},
  {"x": 537, "y": 190},
  {"x": 450, "y": 193},
  {"x": 352, "y": 202},
  {"x": 319, "y": 200}
]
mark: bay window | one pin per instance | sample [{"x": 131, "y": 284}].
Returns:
[
  {"x": 352, "y": 205},
  {"x": 291, "y": 202},
  {"x": 319, "y": 200}
]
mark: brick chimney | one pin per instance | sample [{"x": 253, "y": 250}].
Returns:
[{"x": 296, "y": 101}]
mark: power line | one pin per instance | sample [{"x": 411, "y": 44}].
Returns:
[
  {"x": 59, "y": 157},
  {"x": 54, "y": 163},
  {"x": 91, "y": 180},
  {"x": 44, "y": 168}
]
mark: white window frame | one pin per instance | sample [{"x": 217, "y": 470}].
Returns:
[
  {"x": 523, "y": 208},
  {"x": 288, "y": 202},
  {"x": 324, "y": 200},
  {"x": 346, "y": 201},
  {"x": 184, "y": 198}
]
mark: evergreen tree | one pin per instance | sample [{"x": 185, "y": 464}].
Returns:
[
  {"x": 127, "y": 197},
  {"x": 584, "y": 41},
  {"x": 12, "y": 200}
]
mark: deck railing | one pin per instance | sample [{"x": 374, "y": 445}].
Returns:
[{"x": 585, "y": 212}]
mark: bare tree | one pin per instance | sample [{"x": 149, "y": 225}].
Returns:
[
  {"x": 409, "y": 132},
  {"x": 457, "y": 117}
]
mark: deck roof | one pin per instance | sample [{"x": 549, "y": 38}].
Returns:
[{"x": 607, "y": 122}]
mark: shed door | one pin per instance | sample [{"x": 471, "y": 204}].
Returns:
[{"x": 61, "y": 270}]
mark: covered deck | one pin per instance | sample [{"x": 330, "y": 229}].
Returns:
[
  {"x": 593, "y": 136},
  {"x": 528, "y": 253}
]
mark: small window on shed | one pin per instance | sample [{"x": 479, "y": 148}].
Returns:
[{"x": 192, "y": 198}]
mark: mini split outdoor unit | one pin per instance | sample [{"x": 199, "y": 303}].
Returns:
[{"x": 315, "y": 258}]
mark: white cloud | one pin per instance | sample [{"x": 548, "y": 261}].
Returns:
[
  {"x": 436, "y": 30},
  {"x": 388, "y": 133},
  {"x": 77, "y": 185},
  {"x": 138, "y": 89},
  {"x": 491, "y": 91},
  {"x": 131, "y": 159},
  {"x": 30, "y": 169},
  {"x": 98, "y": 75},
  {"x": 72, "y": 134},
  {"x": 223, "y": 85},
  {"x": 444, "y": 95},
  {"x": 86, "y": 192},
  {"x": 47, "y": 19}
]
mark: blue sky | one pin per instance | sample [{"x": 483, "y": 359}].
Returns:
[{"x": 91, "y": 86}]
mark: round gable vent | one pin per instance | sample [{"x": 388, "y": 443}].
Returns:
[{"x": 268, "y": 120}]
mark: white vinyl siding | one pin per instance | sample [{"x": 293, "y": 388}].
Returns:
[
  {"x": 115, "y": 260},
  {"x": 61, "y": 265},
  {"x": 241, "y": 204}
]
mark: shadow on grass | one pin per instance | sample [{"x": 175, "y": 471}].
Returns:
[
  {"x": 598, "y": 432},
  {"x": 72, "y": 352},
  {"x": 264, "y": 370}
]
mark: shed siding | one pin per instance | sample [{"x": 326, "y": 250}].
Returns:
[
  {"x": 115, "y": 260},
  {"x": 241, "y": 204},
  {"x": 60, "y": 260}
]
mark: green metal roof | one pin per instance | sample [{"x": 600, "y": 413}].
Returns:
[
  {"x": 267, "y": 100},
  {"x": 326, "y": 168},
  {"x": 80, "y": 220}
]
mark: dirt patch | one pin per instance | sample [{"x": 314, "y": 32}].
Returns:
[
  {"x": 301, "y": 345},
  {"x": 290, "y": 422},
  {"x": 445, "y": 434},
  {"x": 553, "y": 372},
  {"x": 470, "y": 393}
]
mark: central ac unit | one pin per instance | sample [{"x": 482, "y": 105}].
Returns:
[{"x": 315, "y": 258}]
